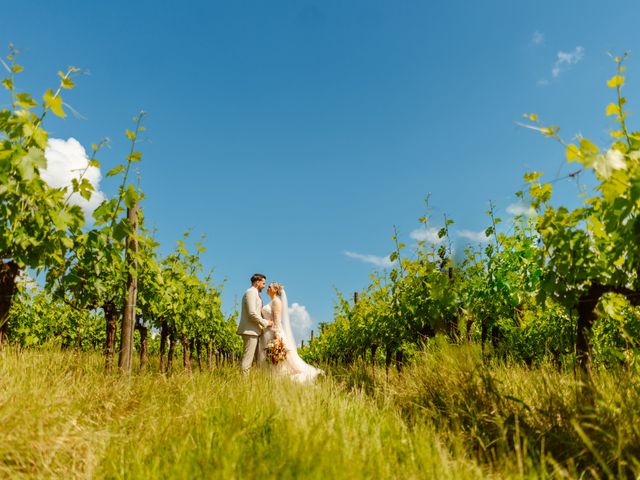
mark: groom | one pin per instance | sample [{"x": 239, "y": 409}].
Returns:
[{"x": 251, "y": 322}]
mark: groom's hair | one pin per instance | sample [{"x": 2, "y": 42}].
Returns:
[{"x": 257, "y": 276}]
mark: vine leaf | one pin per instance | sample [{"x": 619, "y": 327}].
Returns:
[{"x": 54, "y": 103}]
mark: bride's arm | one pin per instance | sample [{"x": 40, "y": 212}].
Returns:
[{"x": 276, "y": 312}]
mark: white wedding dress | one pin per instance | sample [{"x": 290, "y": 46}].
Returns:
[{"x": 292, "y": 366}]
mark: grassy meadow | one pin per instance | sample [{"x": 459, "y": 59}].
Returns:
[{"x": 447, "y": 416}]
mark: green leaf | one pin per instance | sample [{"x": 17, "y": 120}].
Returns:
[
  {"x": 29, "y": 163},
  {"x": 529, "y": 178},
  {"x": 587, "y": 147},
  {"x": 135, "y": 157},
  {"x": 8, "y": 83},
  {"x": 541, "y": 192},
  {"x": 17, "y": 68},
  {"x": 37, "y": 134},
  {"x": 103, "y": 211},
  {"x": 67, "y": 242},
  {"x": 612, "y": 109},
  {"x": 130, "y": 135},
  {"x": 616, "y": 134},
  {"x": 67, "y": 83},
  {"x": 121, "y": 230},
  {"x": 86, "y": 189},
  {"x": 115, "y": 170},
  {"x": 605, "y": 164},
  {"x": 572, "y": 152},
  {"x": 94, "y": 163},
  {"x": 615, "y": 185},
  {"x": 596, "y": 227},
  {"x": 62, "y": 219},
  {"x": 54, "y": 103},
  {"x": 615, "y": 81},
  {"x": 40, "y": 137},
  {"x": 25, "y": 101},
  {"x": 130, "y": 196}
]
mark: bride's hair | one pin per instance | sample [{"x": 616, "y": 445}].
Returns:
[{"x": 279, "y": 288}]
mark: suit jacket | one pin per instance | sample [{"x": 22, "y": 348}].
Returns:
[{"x": 251, "y": 321}]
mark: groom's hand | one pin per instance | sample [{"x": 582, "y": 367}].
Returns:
[{"x": 270, "y": 323}]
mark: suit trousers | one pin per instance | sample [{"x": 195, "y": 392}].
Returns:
[{"x": 251, "y": 352}]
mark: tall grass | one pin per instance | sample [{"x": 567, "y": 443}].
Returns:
[
  {"x": 450, "y": 415},
  {"x": 62, "y": 417},
  {"x": 539, "y": 420}
]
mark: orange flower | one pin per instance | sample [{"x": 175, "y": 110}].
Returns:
[{"x": 276, "y": 350}]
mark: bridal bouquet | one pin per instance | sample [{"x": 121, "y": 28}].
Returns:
[{"x": 276, "y": 350}]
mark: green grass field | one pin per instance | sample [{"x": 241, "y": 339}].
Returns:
[{"x": 448, "y": 416}]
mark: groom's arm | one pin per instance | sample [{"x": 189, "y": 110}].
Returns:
[{"x": 251, "y": 299}]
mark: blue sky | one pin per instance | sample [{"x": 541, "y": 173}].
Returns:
[{"x": 296, "y": 134}]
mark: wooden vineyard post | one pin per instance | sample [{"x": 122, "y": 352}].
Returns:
[{"x": 129, "y": 314}]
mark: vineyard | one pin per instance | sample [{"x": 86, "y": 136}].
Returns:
[
  {"x": 518, "y": 357},
  {"x": 556, "y": 285},
  {"x": 105, "y": 278}
]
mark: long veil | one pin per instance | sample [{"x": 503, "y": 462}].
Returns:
[{"x": 301, "y": 370}]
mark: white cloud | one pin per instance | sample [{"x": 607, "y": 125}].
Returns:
[
  {"x": 479, "y": 237},
  {"x": 521, "y": 209},
  {"x": 67, "y": 159},
  {"x": 301, "y": 322},
  {"x": 384, "y": 262},
  {"x": 424, "y": 234},
  {"x": 565, "y": 60},
  {"x": 538, "y": 38}
]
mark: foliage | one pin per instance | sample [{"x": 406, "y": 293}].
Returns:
[
  {"x": 37, "y": 319},
  {"x": 86, "y": 267},
  {"x": 534, "y": 291},
  {"x": 36, "y": 218},
  {"x": 191, "y": 306}
]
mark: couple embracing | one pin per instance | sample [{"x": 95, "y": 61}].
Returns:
[{"x": 261, "y": 325}]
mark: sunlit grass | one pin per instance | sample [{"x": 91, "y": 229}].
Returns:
[
  {"x": 515, "y": 419},
  {"x": 62, "y": 417},
  {"x": 447, "y": 416}
]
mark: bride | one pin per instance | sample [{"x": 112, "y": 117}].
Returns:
[{"x": 278, "y": 311}]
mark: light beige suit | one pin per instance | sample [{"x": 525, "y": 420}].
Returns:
[{"x": 250, "y": 328}]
